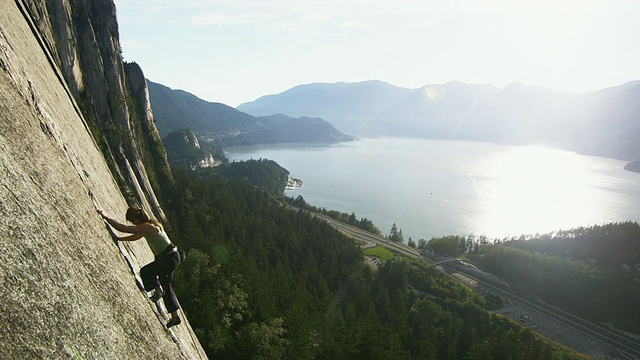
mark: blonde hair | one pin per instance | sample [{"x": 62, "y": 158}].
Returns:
[{"x": 138, "y": 213}]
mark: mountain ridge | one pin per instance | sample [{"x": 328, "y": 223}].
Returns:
[
  {"x": 169, "y": 105},
  {"x": 175, "y": 110},
  {"x": 515, "y": 114},
  {"x": 369, "y": 102}
]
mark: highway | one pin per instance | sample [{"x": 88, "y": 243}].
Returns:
[
  {"x": 608, "y": 340},
  {"x": 597, "y": 341},
  {"x": 365, "y": 236}
]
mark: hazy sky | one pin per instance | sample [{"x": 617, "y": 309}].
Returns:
[{"x": 236, "y": 51}]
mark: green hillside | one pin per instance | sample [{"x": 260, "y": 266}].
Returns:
[
  {"x": 263, "y": 281},
  {"x": 592, "y": 272},
  {"x": 175, "y": 110}
]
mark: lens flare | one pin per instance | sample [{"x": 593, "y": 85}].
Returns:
[{"x": 431, "y": 93}]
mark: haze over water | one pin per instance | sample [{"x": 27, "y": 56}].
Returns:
[{"x": 433, "y": 188}]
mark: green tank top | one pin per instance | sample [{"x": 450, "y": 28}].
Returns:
[{"x": 159, "y": 242}]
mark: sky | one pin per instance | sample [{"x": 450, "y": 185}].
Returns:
[{"x": 236, "y": 51}]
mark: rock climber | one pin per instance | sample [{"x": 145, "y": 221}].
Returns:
[{"x": 157, "y": 275}]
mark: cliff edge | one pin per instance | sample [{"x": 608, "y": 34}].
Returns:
[{"x": 68, "y": 290}]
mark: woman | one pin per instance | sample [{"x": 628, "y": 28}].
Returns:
[{"x": 157, "y": 275}]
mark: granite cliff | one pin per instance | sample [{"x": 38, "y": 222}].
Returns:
[{"x": 76, "y": 135}]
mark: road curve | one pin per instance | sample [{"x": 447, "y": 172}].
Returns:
[{"x": 365, "y": 236}]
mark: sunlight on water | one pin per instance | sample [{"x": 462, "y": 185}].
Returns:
[
  {"x": 437, "y": 188},
  {"x": 529, "y": 186}
]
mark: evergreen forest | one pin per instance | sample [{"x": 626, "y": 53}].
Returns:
[
  {"x": 263, "y": 281},
  {"x": 593, "y": 272}
]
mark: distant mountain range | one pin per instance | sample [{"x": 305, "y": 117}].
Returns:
[
  {"x": 175, "y": 110},
  {"x": 603, "y": 123}
]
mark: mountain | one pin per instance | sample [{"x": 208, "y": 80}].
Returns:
[
  {"x": 446, "y": 106},
  {"x": 281, "y": 128},
  {"x": 76, "y": 136},
  {"x": 176, "y": 109},
  {"x": 609, "y": 122},
  {"x": 604, "y": 122},
  {"x": 348, "y": 106}
]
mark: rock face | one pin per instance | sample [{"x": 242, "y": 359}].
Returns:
[
  {"x": 184, "y": 150},
  {"x": 82, "y": 40},
  {"x": 68, "y": 290}
]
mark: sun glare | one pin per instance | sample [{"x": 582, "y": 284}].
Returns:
[{"x": 531, "y": 182}]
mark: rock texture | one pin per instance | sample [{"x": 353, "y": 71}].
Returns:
[
  {"x": 82, "y": 40},
  {"x": 68, "y": 290}
]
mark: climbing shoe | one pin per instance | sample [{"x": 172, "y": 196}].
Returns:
[{"x": 173, "y": 322}]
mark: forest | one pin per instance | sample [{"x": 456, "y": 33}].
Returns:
[
  {"x": 262, "y": 281},
  {"x": 351, "y": 219},
  {"x": 593, "y": 272}
]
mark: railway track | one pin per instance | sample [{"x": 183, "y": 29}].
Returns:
[{"x": 625, "y": 346}]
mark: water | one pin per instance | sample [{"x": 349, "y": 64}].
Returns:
[{"x": 435, "y": 188}]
